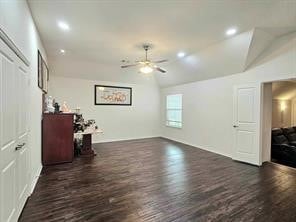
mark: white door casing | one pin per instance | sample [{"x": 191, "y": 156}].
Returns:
[
  {"x": 14, "y": 170},
  {"x": 246, "y": 123}
]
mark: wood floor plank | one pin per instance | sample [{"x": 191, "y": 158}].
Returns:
[{"x": 156, "y": 179}]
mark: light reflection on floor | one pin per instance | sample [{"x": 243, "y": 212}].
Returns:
[{"x": 176, "y": 177}]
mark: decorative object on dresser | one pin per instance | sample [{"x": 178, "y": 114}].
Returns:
[
  {"x": 113, "y": 95},
  {"x": 56, "y": 107},
  {"x": 51, "y": 106},
  {"x": 57, "y": 138},
  {"x": 65, "y": 108},
  {"x": 48, "y": 105}
]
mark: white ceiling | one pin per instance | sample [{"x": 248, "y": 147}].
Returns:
[{"x": 105, "y": 32}]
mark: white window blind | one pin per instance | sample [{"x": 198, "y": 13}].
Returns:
[{"x": 174, "y": 110}]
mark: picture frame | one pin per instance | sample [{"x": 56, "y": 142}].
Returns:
[
  {"x": 39, "y": 73},
  {"x": 45, "y": 77},
  {"x": 113, "y": 95},
  {"x": 43, "y": 73}
]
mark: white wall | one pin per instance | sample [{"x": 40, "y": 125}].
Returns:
[
  {"x": 293, "y": 112},
  {"x": 207, "y": 105},
  {"x": 281, "y": 118},
  {"x": 140, "y": 120},
  {"x": 17, "y": 23}
]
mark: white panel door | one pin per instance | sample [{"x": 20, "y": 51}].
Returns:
[
  {"x": 22, "y": 158},
  {"x": 8, "y": 136},
  {"x": 246, "y": 123},
  {"x": 14, "y": 150}
]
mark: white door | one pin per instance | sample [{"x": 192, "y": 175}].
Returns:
[
  {"x": 246, "y": 123},
  {"x": 22, "y": 155},
  {"x": 14, "y": 91}
]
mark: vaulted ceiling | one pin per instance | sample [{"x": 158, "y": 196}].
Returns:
[{"x": 102, "y": 33}]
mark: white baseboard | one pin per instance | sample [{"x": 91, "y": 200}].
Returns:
[
  {"x": 124, "y": 139},
  {"x": 35, "y": 179},
  {"x": 199, "y": 147}
]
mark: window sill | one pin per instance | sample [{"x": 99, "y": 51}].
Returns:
[{"x": 176, "y": 127}]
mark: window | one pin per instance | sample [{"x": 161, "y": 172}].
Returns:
[{"x": 174, "y": 110}]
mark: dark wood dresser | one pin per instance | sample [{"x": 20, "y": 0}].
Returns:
[{"x": 57, "y": 138}]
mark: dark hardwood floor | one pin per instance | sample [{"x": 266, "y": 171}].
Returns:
[{"x": 160, "y": 180}]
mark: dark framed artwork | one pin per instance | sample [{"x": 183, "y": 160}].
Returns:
[
  {"x": 45, "y": 76},
  {"x": 40, "y": 74},
  {"x": 113, "y": 95}
]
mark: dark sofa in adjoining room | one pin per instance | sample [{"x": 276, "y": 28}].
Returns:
[{"x": 283, "y": 146}]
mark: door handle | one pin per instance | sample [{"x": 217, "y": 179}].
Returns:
[
  {"x": 235, "y": 126},
  {"x": 19, "y": 146}
]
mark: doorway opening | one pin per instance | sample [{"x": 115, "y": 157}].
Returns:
[{"x": 279, "y": 122}]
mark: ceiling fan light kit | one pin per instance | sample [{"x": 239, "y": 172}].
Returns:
[
  {"x": 147, "y": 66},
  {"x": 146, "y": 69}
]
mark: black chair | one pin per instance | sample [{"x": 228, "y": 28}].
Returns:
[{"x": 282, "y": 149}]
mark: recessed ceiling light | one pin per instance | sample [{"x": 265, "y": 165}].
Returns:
[
  {"x": 231, "y": 31},
  {"x": 62, "y": 51},
  {"x": 64, "y": 26},
  {"x": 181, "y": 54}
]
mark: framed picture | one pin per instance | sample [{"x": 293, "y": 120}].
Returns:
[
  {"x": 113, "y": 95},
  {"x": 45, "y": 76},
  {"x": 40, "y": 74}
]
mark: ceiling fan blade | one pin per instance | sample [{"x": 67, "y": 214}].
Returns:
[
  {"x": 160, "y": 69},
  {"x": 126, "y": 66},
  {"x": 160, "y": 61},
  {"x": 141, "y": 62}
]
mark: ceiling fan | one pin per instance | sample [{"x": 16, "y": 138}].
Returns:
[{"x": 147, "y": 66}]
